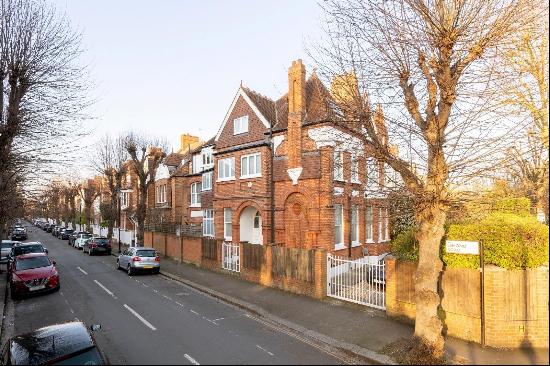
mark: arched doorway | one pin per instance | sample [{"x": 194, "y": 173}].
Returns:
[
  {"x": 296, "y": 221},
  {"x": 250, "y": 226}
]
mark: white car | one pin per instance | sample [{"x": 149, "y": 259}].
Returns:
[{"x": 82, "y": 238}]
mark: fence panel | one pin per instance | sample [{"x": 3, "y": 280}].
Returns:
[
  {"x": 361, "y": 281},
  {"x": 294, "y": 263},
  {"x": 253, "y": 256},
  {"x": 231, "y": 259},
  {"x": 209, "y": 248}
]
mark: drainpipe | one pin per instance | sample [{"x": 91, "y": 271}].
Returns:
[
  {"x": 350, "y": 214},
  {"x": 272, "y": 181}
]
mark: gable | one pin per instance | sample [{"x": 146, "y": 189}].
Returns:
[{"x": 257, "y": 123}]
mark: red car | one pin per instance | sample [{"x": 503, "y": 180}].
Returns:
[{"x": 32, "y": 273}]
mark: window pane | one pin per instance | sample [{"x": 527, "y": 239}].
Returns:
[
  {"x": 244, "y": 165},
  {"x": 258, "y": 164},
  {"x": 251, "y": 164},
  {"x": 232, "y": 167}
]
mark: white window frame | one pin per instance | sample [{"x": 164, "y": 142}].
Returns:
[
  {"x": 161, "y": 193},
  {"x": 208, "y": 223},
  {"x": 355, "y": 169},
  {"x": 197, "y": 163},
  {"x": 207, "y": 158},
  {"x": 369, "y": 221},
  {"x": 355, "y": 226},
  {"x": 206, "y": 184},
  {"x": 383, "y": 223},
  {"x": 226, "y": 165},
  {"x": 257, "y": 159},
  {"x": 370, "y": 171},
  {"x": 124, "y": 199},
  {"x": 240, "y": 125},
  {"x": 338, "y": 162},
  {"x": 227, "y": 224},
  {"x": 195, "y": 195},
  {"x": 340, "y": 209}
]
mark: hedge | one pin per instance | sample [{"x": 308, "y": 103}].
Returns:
[{"x": 510, "y": 241}]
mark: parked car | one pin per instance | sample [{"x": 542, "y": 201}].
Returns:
[
  {"x": 79, "y": 242},
  {"x": 5, "y": 249},
  {"x": 25, "y": 248},
  {"x": 97, "y": 245},
  {"x": 60, "y": 232},
  {"x": 66, "y": 234},
  {"x": 138, "y": 259},
  {"x": 68, "y": 344},
  {"x": 32, "y": 273},
  {"x": 74, "y": 236},
  {"x": 19, "y": 234}
]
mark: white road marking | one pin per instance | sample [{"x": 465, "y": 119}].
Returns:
[
  {"x": 194, "y": 312},
  {"x": 180, "y": 304},
  {"x": 142, "y": 319},
  {"x": 72, "y": 311},
  {"x": 168, "y": 298},
  {"x": 144, "y": 285},
  {"x": 83, "y": 271},
  {"x": 155, "y": 291},
  {"x": 105, "y": 288},
  {"x": 191, "y": 359},
  {"x": 263, "y": 349}
]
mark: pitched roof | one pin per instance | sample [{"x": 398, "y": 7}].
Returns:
[{"x": 173, "y": 159}]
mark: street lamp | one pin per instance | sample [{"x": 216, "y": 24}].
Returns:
[{"x": 119, "y": 225}]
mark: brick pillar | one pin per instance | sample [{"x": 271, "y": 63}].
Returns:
[
  {"x": 391, "y": 285},
  {"x": 296, "y": 111},
  {"x": 320, "y": 273},
  {"x": 266, "y": 277}
]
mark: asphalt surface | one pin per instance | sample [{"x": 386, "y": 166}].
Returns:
[{"x": 149, "y": 319}]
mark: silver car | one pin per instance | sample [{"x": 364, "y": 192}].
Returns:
[
  {"x": 139, "y": 259},
  {"x": 5, "y": 249}
]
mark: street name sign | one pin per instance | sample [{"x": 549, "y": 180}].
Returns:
[{"x": 462, "y": 247}]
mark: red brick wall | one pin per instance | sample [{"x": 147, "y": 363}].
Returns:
[{"x": 192, "y": 250}]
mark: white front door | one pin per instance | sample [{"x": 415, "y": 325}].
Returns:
[{"x": 257, "y": 237}]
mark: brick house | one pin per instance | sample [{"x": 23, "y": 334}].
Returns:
[{"x": 328, "y": 187}]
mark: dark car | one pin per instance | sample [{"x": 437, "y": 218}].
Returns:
[
  {"x": 60, "y": 232},
  {"x": 19, "y": 234},
  {"x": 32, "y": 273},
  {"x": 66, "y": 234},
  {"x": 97, "y": 245},
  {"x": 60, "y": 344}
]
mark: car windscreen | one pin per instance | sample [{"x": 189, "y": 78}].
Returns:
[
  {"x": 30, "y": 263},
  {"x": 146, "y": 253},
  {"x": 102, "y": 241},
  {"x": 90, "y": 357},
  {"x": 86, "y": 236},
  {"x": 27, "y": 249},
  {"x": 6, "y": 245},
  {"x": 69, "y": 231}
]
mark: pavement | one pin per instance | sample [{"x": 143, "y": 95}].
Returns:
[
  {"x": 349, "y": 327},
  {"x": 152, "y": 319}
]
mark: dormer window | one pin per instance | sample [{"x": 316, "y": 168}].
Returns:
[{"x": 240, "y": 125}]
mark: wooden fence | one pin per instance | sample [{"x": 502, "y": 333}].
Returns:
[
  {"x": 516, "y": 303},
  {"x": 294, "y": 263}
]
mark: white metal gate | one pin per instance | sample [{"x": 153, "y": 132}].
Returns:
[
  {"x": 231, "y": 256},
  {"x": 362, "y": 281}
]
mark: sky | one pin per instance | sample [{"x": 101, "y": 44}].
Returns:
[{"x": 170, "y": 67}]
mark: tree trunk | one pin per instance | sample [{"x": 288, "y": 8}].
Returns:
[
  {"x": 428, "y": 327},
  {"x": 140, "y": 215}
]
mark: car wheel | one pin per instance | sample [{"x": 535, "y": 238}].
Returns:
[
  {"x": 156, "y": 271},
  {"x": 13, "y": 293},
  {"x": 117, "y": 265},
  {"x": 130, "y": 270}
]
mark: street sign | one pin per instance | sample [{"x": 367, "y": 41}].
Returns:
[{"x": 462, "y": 247}]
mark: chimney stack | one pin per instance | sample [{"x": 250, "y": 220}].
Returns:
[{"x": 296, "y": 112}]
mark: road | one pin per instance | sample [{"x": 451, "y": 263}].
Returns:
[{"x": 149, "y": 319}]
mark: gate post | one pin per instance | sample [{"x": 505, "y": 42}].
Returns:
[
  {"x": 320, "y": 273},
  {"x": 391, "y": 284},
  {"x": 266, "y": 277}
]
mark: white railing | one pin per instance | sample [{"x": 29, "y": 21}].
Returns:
[
  {"x": 231, "y": 258},
  {"x": 361, "y": 281}
]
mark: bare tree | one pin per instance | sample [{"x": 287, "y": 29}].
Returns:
[
  {"x": 429, "y": 63},
  {"x": 146, "y": 155},
  {"x": 42, "y": 88},
  {"x": 527, "y": 166},
  {"x": 109, "y": 161},
  {"x": 89, "y": 191}
]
